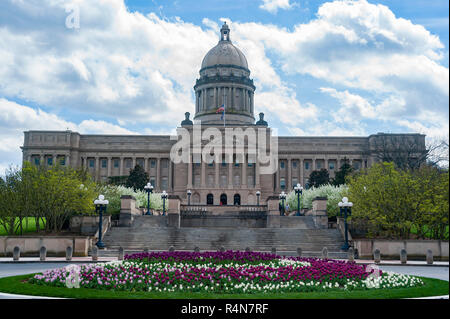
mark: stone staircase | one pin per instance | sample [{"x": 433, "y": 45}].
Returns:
[{"x": 150, "y": 233}]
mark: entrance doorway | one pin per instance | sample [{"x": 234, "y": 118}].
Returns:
[
  {"x": 223, "y": 199},
  {"x": 237, "y": 199},
  {"x": 209, "y": 199}
]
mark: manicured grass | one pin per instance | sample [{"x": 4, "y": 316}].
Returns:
[
  {"x": 26, "y": 230},
  {"x": 18, "y": 285}
]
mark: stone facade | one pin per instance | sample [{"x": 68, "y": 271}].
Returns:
[{"x": 224, "y": 79}]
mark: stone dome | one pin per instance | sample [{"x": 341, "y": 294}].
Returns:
[{"x": 225, "y": 53}]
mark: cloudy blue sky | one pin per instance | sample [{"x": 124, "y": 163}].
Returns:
[{"x": 320, "y": 68}]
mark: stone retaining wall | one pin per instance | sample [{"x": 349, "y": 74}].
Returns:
[
  {"x": 56, "y": 245},
  {"x": 390, "y": 249}
]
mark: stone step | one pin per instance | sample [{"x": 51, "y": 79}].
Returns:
[{"x": 113, "y": 252}]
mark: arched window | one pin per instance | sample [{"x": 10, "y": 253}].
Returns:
[
  {"x": 223, "y": 199},
  {"x": 210, "y": 199},
  {"x": 237, "y": 199}
]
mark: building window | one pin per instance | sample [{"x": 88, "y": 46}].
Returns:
[
  {"x": 153, "y": 181},
  {"x": 164, "y": 183},
  {"x": 116, "y": 163},
  {"x": 306, "y": 165},
  {"x": 210, "y": 180},
  {"x": 223, "y": 180},
  {"x": 236, "y": 165},
  {"x": 331, "y": 165},
  {"x": 104, "y": 163},
  {"x": 223, "y": 162},
  {"x": 197, "y": 180},
  {"x": 282, "y": 164},
  {"x": 50, "y": 161},
  {"x": 250, "y": 165},
  {"x": 62, "y": 161},
  {"x": 319, "y": 164},
  {"x": 165, "y": 164},
  {"x": 210, "y": 164},
  {"x": 356, "y": 165},
  {"x": 128, "y": 163},
  {"x": 250, "y": 181},
  {"x": 91, "y": 163},
  {"x": 294, "y": 164},
  {"x": 237, "y": 180},
  {"x": 140, "y": 162},
  {"x": 282, "y": 183},
  {"x": 37, "y": 161},
  {"x": 152, "y": 163}
]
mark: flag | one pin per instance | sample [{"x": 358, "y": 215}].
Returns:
[{"x": 221, "y": 109}]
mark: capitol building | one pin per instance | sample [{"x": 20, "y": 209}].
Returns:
[{"x": 225, "y": 80}]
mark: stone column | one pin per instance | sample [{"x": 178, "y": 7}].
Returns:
[
  {"x": 42, "y": 159},
  {"x": 215, "y": 97},
  {"x": 327, "y": 167},
  {"x": 67, "y": 160},
  {"x": 133, "y": 164},
  {"x": 189, "y": 181},
  {"x": 170, "y": 175},
  {"x": 257, "y": 179},
  {"x": 244, "y": 173},
  {"x": 314, "y": 163},
  {"x": 97, "y": 168},
  {"x": 229, "y": 98},
  {"x": 289, "y": 175},
  {"x": 232, "y": 96},
  {"x": 158, "y": 169},
  {"x": 230, "y": 175},
  {"x": 55, "y": 159},
  {"x": 216, "y": 171},
  {"x": 146, "y": 159},
  {"x": 203, "y": 181},
  {"x": 302, "y": 167},
  {"x": 121, "y": 166},
  {"x": 109, "y": 166}
]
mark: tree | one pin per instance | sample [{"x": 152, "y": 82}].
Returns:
[
  {"x": 318, "y": 178},
  {"x": 138, "y": 178},
  {"x": 342, "y": 174},
  {"x": 438, "y": 151},
  {"x": 396, "y": 203},
  {"x": 405, "y": 151}
]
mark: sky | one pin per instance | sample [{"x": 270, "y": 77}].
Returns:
[{"x": 321, "y": 68}]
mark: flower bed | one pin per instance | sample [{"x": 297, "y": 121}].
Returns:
[{"x": 223, "y": 272}]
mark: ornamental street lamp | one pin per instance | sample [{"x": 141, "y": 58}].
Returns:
[
  {"x": 298, "y": 190},
  {"x": 282, "y": 198},
  {"x": 189, "y": 193},
  {"x": 100, "y": 207},
  {"x": 258, "y": 194},
  {"x": 164, "y": 196},
  {"x": 149, "y": 189},
  {"x": 345, "y": 210}
]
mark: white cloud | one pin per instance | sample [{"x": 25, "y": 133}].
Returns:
[
  {"x": 16, "y": 118},
  {"x": 272, "y": 6}
]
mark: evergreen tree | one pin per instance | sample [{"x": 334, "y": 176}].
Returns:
[
  {"x": 138, "y": 178},
  {"x": 341, "y": 174},
  {"x": 318, "y": 178}
]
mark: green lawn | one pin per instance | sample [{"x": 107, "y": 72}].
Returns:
[
  {"x": 26, "y": 230},
  {"x": 18, "y": 285}
]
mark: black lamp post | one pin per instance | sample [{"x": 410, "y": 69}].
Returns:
[
  {"x": 100, "y": 207},
  {"x": 345, "y": 210},
  {"x": 258, "y": 194},
  {"x": 164, "y": 196},
  {"x": 282, "y": 197},
  {"x": 149, "y": 189},
  {"x": 298, "y": 190},
  {"x": 189, "y": 193}
]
